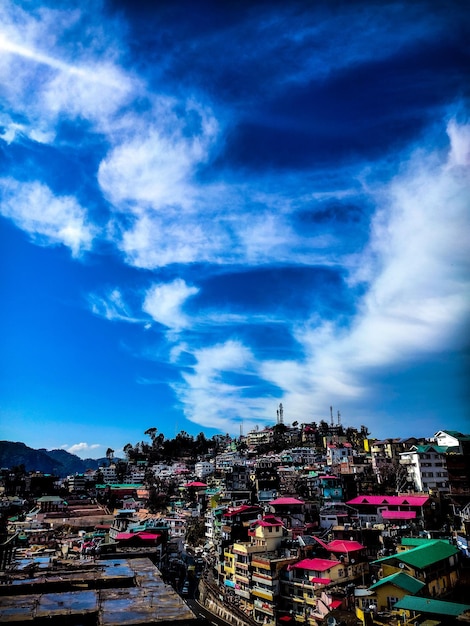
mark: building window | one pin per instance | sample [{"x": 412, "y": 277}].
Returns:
[{"x": 391, "y": 600}]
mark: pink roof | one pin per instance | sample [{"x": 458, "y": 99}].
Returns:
[
  {"x": 240, "y": 509},
  {"x": 149, "y": 536},
  {"x": 195, "y": 484},
  {"x": 320, "y": 581},
  {"x": 389, "y": 500},
  {"x": 264, "y": 523},
  {"x": 398, "y": 514},
  {"x": 317, "y": 565},
  {"x": 286, "y": 501},
  {"x": 142, "y": 535},
  {"x": 344, "y": 546},
  {"x": 124, "y": 536}
]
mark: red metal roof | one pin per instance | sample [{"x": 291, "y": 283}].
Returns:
[
  {"x": 195, "y": 484},
  {"x": 398, "y": 514},
  {"x": 142, "y": 535},
  {"x": 316, "y": 565},
  {"x": 389, "y": 500},
  {"x": 320, "y": 581},
  {"x": 264, "y": 523},
  {"x": 240, "y": 509},
  {"x": 344, "y": 546},
  {"x": 286, "y": 501}
]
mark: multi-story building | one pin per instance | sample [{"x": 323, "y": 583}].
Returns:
[
  {"x": 427, "y": 467},
  {"x": 301, "y": 582},
  {"x": 256, "y": 438},
  {"x": 290, "y": 510},
  {"x": 338, "y": 452},
  {"x": 202, "y": 469},
  {"x": 265, "y": 536},
  {"x": 433, "y": 562},
  {"x": 237, "y": 477},
  {"x": 76, "y": 482},
  {"x": 265, "y": 589},
  {"x": 379, "y": 509},
  {"x": 109, "y": 474},
  {"x": 451, "y": 439}
]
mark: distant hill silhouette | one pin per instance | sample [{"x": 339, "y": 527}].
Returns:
[{"x": 58, "y": 462}]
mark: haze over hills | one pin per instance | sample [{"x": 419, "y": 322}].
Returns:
[{"x": 59, "y": 462}]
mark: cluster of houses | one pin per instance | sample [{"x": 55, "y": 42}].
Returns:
[{"x": 372, "y": 532}]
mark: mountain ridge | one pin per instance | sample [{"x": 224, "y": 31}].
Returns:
[{"x": 58, "y": 462}]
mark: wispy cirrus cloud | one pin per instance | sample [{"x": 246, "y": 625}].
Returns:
[
  {"x": 70, "y": 80},
  {"x": 47, "y": 218},
  {"x": 417, "y": 300},
  {"x": 209, "y": 399},
  {"x": 164, "y": 303},
  {"x": 415, "y": 303},
  {"x": 112, "y": 306}
]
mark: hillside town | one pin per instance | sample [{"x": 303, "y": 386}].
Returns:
[{"x": 304, "y": 523}]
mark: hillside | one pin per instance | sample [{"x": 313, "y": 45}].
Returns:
[{"x": 58, "y": 462}]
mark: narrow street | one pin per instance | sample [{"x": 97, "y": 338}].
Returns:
[{"x": 205, "y": 616}]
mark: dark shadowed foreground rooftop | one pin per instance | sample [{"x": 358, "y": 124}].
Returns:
[{"x": 111, "y": 592}]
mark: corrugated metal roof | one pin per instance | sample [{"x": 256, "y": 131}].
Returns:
[
  {"x": 423, "y": 556},
  {"x": 401, "y": 580},
  {"x": 427, "y": 605}
]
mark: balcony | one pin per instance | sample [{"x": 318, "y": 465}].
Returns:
[
  {"x": 265, "y": 594},
  {"x": 264, "y": 607},
  {"x": 262, "y": 578}
]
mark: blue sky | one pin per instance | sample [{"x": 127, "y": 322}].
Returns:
[{"x": 210, "y": 208}]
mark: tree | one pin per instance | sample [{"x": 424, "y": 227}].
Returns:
[
  {"x": 152, "y": 433},
  {"x": 128, "y": 451},
  {"x": 195, "y": 531},
  {"x": 110, "y": 455}
]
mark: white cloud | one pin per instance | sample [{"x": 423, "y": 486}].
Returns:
[
  {"x": 154, "y": 163},
  {"x": 49, "y": 219},
  {"x": 81, "y": 449},
  {"x": 417, "y": 301},
  {"x": 212, "y": 402},
  {"x": 112, "y": 307},
  {"x": 164, "y": 302},
  {"x": 68, "y": 79}
]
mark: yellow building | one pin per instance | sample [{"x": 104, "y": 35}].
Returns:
[{"x": 433, "y": 562}]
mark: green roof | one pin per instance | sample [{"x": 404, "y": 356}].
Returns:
[
  {"x": 120, "y": 486},
  {"x": 423, "y": 556},
  {"x": 415, "y": 541},
  {"x": 50, "y": 499},
  {"x": 426, "y": 448},
  {"x": 401, "y": 580},
  {"x": 427, "y": 605}
]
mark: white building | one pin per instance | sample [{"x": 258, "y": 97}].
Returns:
[
  {"x": 335, "y": 453},
  {"x": 427, "y": 468},
  {"x": 204, "y": 468},
  {"x": 135, "y": 474},
  {"x": 450, "y": 439},
  {"x": 109, "y": 474}
]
